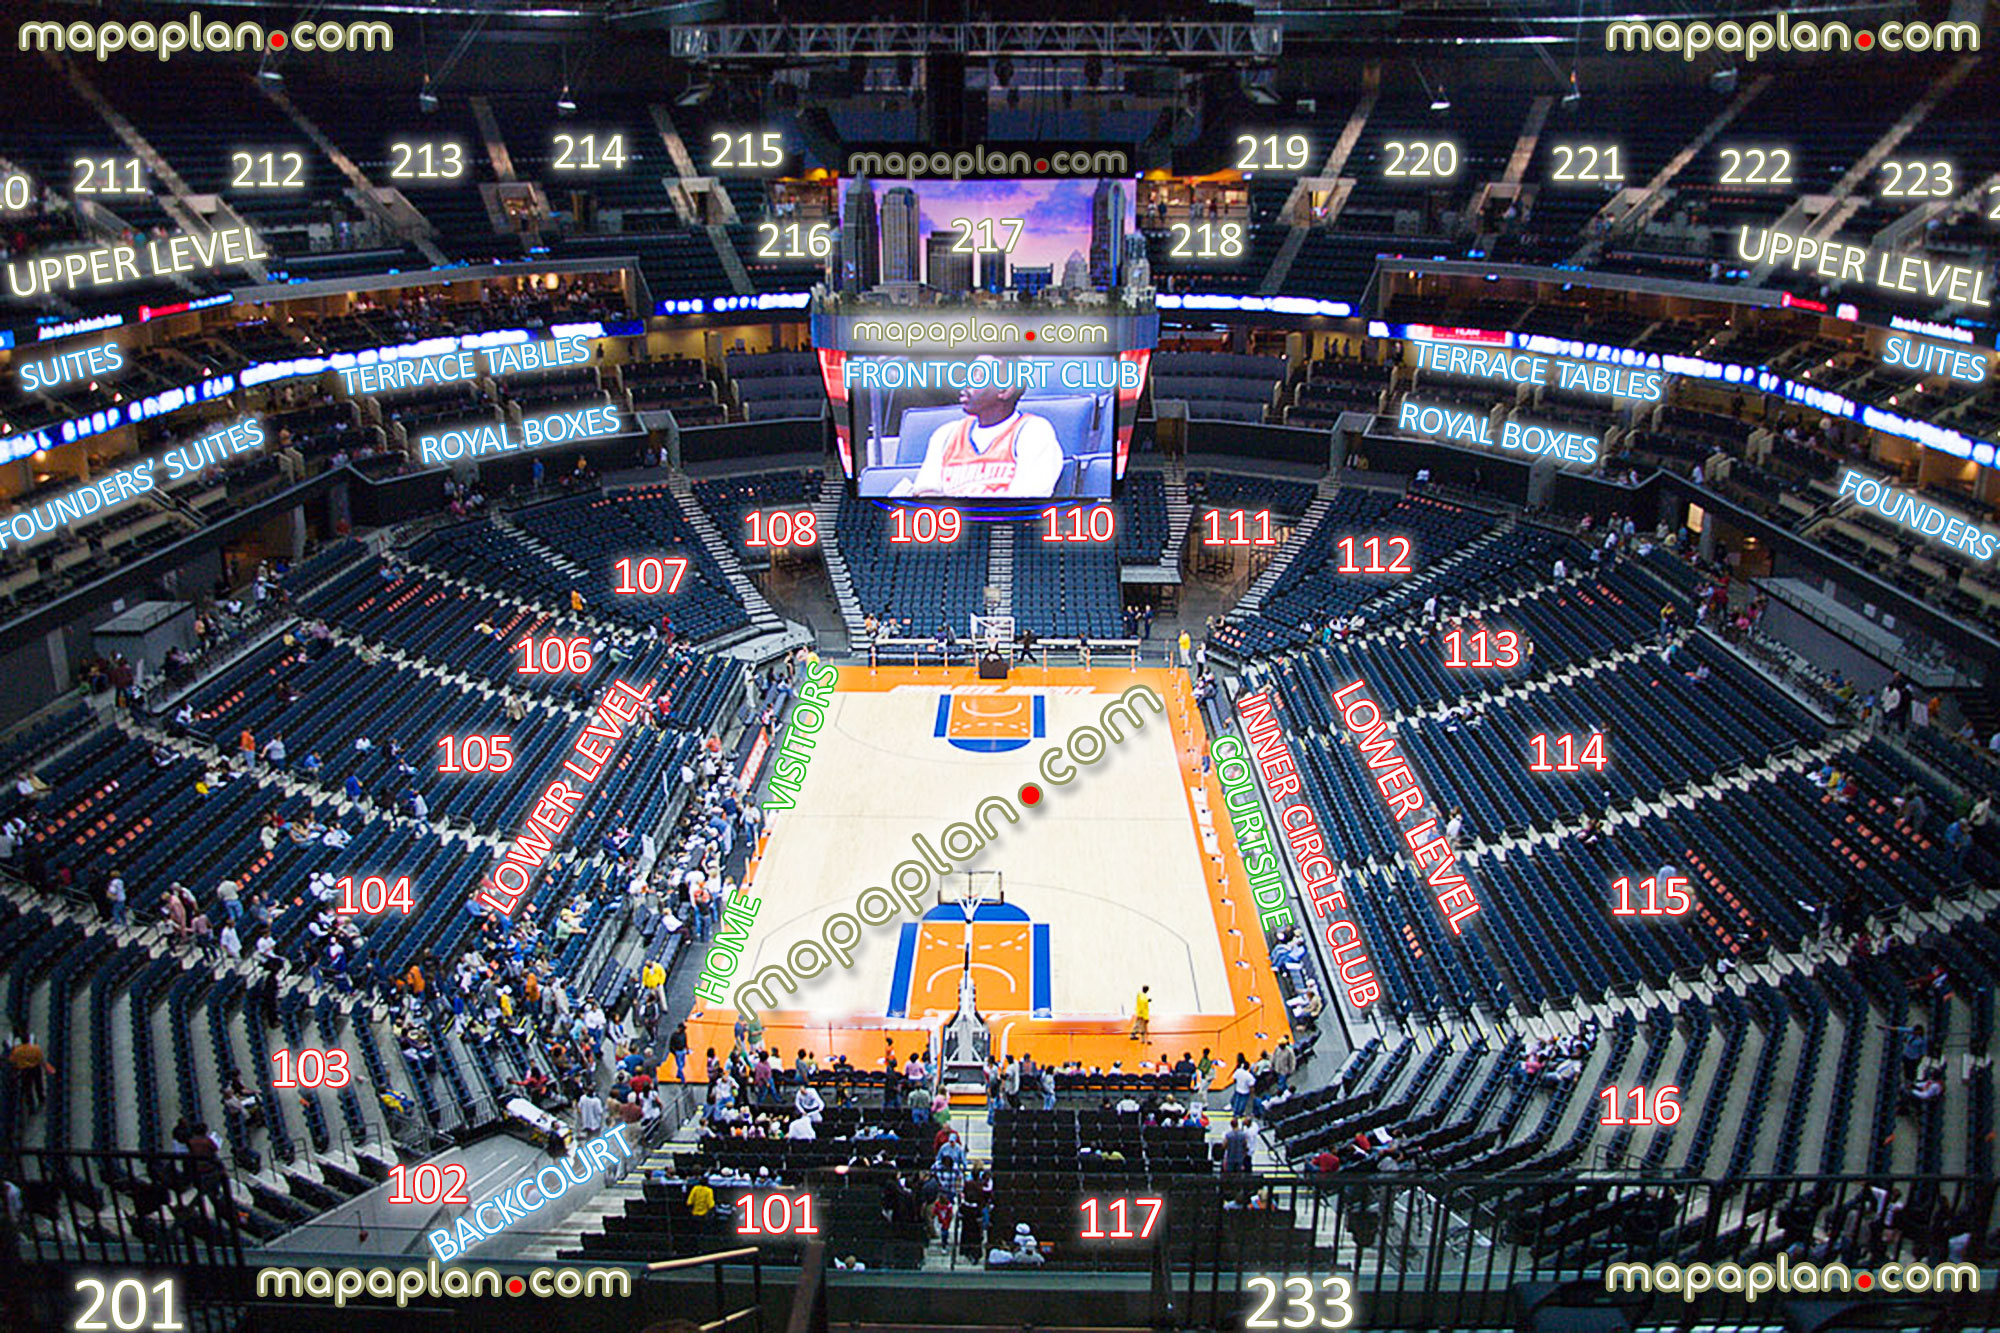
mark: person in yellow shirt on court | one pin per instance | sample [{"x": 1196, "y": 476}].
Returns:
[
  {"x": 575, "y": 601},
  {"x": 1142, "y": 1013}
]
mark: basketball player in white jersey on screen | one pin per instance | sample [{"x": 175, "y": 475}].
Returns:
[{"x": 994, "y": 450}]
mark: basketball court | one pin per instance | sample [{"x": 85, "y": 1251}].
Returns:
[{"x": 1124, "y": 876}]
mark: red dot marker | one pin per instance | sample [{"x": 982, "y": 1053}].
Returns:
[
  {"x": 277, "y": 41},
  {"x": 1041, "y": 164},
  {"x": 515, "y": 1286},
  {"x": 1031, "y": 335},
  {"x": 1031, "y": 794},
  {"x": 1863, "y": 1281},
  {"x": 1864, "y": 40}
]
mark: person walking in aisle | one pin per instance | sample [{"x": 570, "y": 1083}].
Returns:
[{"x": 677, "y": 1046}]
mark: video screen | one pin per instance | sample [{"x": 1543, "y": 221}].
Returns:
[
  {"x": 1018, "y": 427},
  {"x": 922, "y": 242}
]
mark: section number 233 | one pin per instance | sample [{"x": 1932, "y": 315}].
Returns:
[{"x": 1328, "y": 1304}]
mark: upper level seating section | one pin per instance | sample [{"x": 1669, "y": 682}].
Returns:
[
  {"x": 1065, "y": 589},
  {"x": 47, "y": 144},
  {"x": 235, "y": 118},
  {"x": 1142, "y": 519},
  {"x": 727, "y": 499},
  {"x": 1826, "y": 137},
  {"x": 629, "y": 201},
  {"x": 1646, "y": 127},
  {"x": 924, "y": 585},
  {"x": 776, "y": 384},
  {"x": 1483, "y": 128},
  {"x": 1338, "y": 267},
  {"x": 365, "y": 121},
  {"x": 596, "y": 531},
  {"x": 529, "y": 131},
  {"x": 1232, "y": 490},
  {"x": 681, "y": 263},
  {"x": 1234, "y": 386},
  {"x": 678, "y": 384}
]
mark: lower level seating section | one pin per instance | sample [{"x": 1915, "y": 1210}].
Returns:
[
  {"x": 157, "y": 815},
  {"x": 592, "y": 533},
  {"x": 1790, "y": 838},
  {"x": 1234, "y": 490},
  {"x": 657, "y": 1222},
  {"x": 1142, "y": 519},
  {"x": 333, "y": 704},
  {"x": 1324, "y": 580},
  {"x": 1973, "y": 767},
  {"x": 1669, "y": 730},
  {"x": 1558, "y": 627},
  {"x": 1231, "y": 386},
  {"x": 414, "y": 610},
  {"x": 445, "y": 632},
  {"x": 597, "y": 531},
  {"x": 919, "y": 587},
  {"x": 727, "y": 500},
  {"x": 1065, "y": 589}
]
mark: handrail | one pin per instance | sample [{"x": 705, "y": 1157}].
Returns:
[
  {"x": 754, "y": 1310},
  {"x": 697, "y": 1260},
  {"x": 809, "y": 1297}
]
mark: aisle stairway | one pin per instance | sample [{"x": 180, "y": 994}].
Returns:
[
  {"x": 1000, "y": 569},
  {"x": 1301, "y": 535},
  {"x": 763, "y": 620},
  {"x": 1180, "y": 517},
  {"x": 826, "y": 511}
]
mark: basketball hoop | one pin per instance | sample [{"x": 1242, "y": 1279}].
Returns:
[{"x": 993, "y": 629}]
